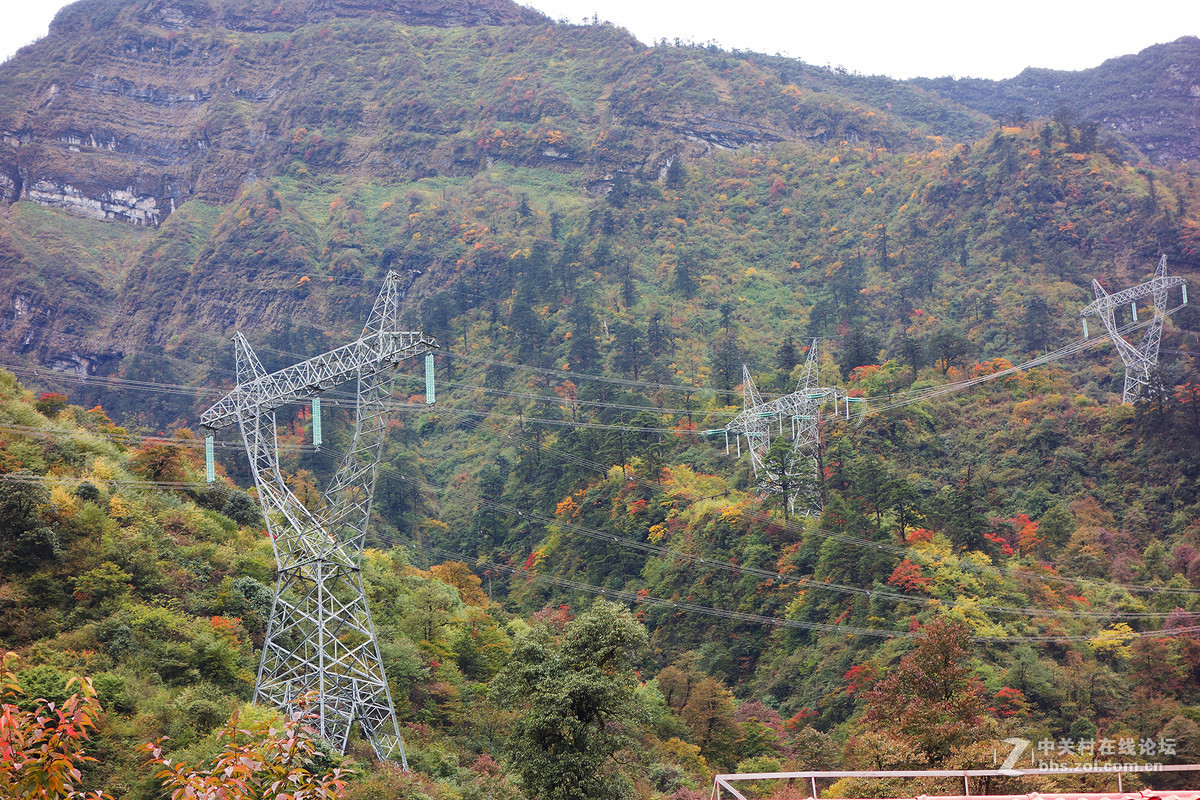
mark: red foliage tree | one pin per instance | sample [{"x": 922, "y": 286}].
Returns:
[
  {"x": 258, "y": 761},
  {"x": 907, "y": 576},
  {"x": 931, "y": 698},
  {"x": 41, "y": 749}
]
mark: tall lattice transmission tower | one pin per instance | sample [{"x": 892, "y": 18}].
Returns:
[
  {"x": 796, "y": 476},
  {"x": 1142, "y": 358},
  {"x": 320, "y": 639}
]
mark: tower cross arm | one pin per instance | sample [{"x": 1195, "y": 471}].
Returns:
[
  {"x": 1158, "y": 284},
  {"x": 753, "y": 418},
  {"x": 365, "y": 356}
]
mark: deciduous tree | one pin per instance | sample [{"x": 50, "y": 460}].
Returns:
[
  {"x": 260, "y": 759},
  {"x": 42, "y": 743},
  {"x": 932, "y": 698}
]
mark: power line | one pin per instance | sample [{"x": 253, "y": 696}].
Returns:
[
  {"x": 558, "y": 400},
  {"x": 644, "y": 598},
  {"x": 804, "y": 583},
  {"x": 854, "y": 541},
  {"x": 647, "y": 599},
  {"x": 836, "y": 535}
]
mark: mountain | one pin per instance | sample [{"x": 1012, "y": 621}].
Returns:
[
  {"x": 605, "y": 239},
  {"x": 128, "y": 110},
  {"x": 1151, "y": 98}
]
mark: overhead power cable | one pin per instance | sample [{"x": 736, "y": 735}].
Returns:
[
  {"x": 800, "y": 583},
  {"x": 646, "y": 599},
  {"x": 1074, "y": 347},
  {"x": 791, "y": 525},
  {"x": 898, "y": 400},
  {"x": 783, "y": 622}
]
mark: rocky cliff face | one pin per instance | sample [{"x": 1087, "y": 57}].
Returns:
[
  {"x": 127, "y": 110},
  {"x": 120, "y": 135},
  {"x": 288, "y": 16},
  {"x": 130, "y": 109}
]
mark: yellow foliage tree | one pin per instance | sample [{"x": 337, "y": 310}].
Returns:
[{"x": 1114, "y": 641}]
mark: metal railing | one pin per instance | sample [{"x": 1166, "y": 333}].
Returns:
[{"x": 723, "y": 782}]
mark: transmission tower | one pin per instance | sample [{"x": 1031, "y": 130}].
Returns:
[
  {"x": 320, "y": 638},
  {"x": 800, "y": 479},
  {"x": 1140, "y": 359}
]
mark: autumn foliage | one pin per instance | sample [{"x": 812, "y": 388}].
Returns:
[
  {"x": 259, "y": 760},
  {"x": 41, "y": 744},
  {"x": 931, "y": 699}
]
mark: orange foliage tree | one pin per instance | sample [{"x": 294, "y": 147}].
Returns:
[
  {"x": 258, "y": 761},
  {"x": 41, "y": 748}
]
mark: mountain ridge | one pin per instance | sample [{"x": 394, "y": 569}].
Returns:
[
  {"x": 1152, "y": 97},
  {"x": 127, "y": 110}
]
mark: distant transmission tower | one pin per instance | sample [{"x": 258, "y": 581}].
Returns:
[
  {"x": 1140, "y": 359},
  {"x": 802, "y": 409},
  {"x": 320, "y": 638}
]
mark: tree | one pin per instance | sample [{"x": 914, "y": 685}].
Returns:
[
  {"x": 1087, "y": 136},
  {"x": 582, "y": 352},
  {"x": 619, "y": 192},
  {"x": 1065, "y": 118},
  {"x": 459, "y": 576},
  {"x": 487, "y": 523},
  {"x": 858, "y": 349},
  {"x": 658, "y": 338},
  {"x": 25, "y": 539},
  {"x": 726, "y": 311},
  {"x": 960, "y": 511},
  {"x": 875, "y": 486},
  {"x": 685, "y": 283},
  {"x": 273, "y": 763},
  {"x": 786, "y": 357},
  {"x": 932, "y": 698},
  {"x": 708, "y": 713},
  {"x": 41, "y": 743},
  {"x": 786, "y": 475},
  {"x": 50, "y": 403},
  {"x": 1036, "y": 323},
  {"x": 947, "y": 346},
  {"x": 727, "y": 357},
  {"x": 242, "y": 509},
  {"x": 526, "y": 325},
  {"x": 630, "y": 355},
  {"x": 576, "y": 698},
  {"x": 160, "y": 461},
  {"x": 676, "y": 174}
]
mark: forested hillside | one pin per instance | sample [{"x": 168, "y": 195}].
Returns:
[
  {"x": 1114, "y": 95},
  {"x": 599, "y": 235}
]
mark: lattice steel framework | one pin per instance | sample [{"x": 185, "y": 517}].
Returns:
[
  {"x": 799, "y": 479},
  {"x": 1140, "y": 359},
  {"x": 320, "y": 638}
]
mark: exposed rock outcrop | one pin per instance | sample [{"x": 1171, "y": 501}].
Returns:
[
  {"x": 99, "y": 203},
  {"x": 165, "y": 108},
  {"x": 180, "y": 14}
]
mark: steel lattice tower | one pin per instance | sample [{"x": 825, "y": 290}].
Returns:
[
  {"x": 802, "y": 410},
  {"x": 1140, "y": 359},
  {"x": 320, "y": 638}
]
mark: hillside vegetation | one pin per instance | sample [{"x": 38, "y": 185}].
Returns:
[{"x": 600, "y": 235}]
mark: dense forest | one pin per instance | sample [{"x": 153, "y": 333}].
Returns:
[{"x": 577, "y": 591}]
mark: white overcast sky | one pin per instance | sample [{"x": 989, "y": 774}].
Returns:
[{"x": 927, "y": 38}]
